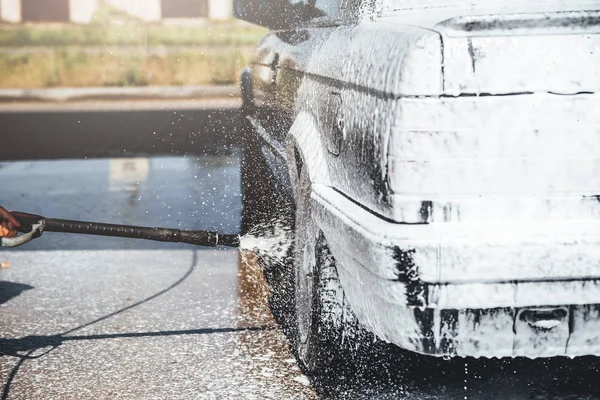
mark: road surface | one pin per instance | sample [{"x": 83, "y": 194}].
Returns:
[
  {"x": 93, "y": 317},
  {"x": 103, "y": 318}
]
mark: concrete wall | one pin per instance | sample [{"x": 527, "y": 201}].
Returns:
[
  {"x": 150, "y": 10},
  {"x": 219, "y": 9},
  {"x": 146, "y": 10},
  {"x": 185, "y": 9},
  {"x": 10, "y": 10},
  {"x": 82, "y": 11},
  {"x": 45, "y": 10}
]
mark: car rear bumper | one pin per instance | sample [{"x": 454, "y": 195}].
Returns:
[{"x": 458, "y": 289}]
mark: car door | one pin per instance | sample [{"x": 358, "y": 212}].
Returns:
[{"x": 279, "y": 67}]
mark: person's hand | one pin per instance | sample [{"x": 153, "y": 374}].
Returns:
[{"x": 8, "y": 224}]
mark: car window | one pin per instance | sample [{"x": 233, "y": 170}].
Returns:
[
  {"x": 313, "y": 9},
  {"x": 328, "y": 7},
  {"x": 282, "y": 14}
]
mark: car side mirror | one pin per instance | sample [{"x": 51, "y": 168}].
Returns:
[{"x": 272, "y": 14}]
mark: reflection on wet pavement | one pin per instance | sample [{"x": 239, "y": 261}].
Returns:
[
  {"x": 94, "y": 317},
  {"x": 195, "y": 192}
]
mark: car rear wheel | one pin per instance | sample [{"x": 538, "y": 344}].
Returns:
[{"x": 327, "y": 332}]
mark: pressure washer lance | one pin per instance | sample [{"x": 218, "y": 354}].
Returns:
[{"x": 32, "y": 227}]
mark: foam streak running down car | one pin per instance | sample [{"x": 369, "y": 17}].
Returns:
[{"x": 444, "y": 160}]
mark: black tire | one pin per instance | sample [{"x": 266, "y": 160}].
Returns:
[
  {"x": 339, "y": 352},
  {"x": 326, "y": 352},
  {"x": 329, "y": 340}
]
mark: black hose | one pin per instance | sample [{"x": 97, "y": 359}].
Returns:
[{"x": 199, "y": 238}]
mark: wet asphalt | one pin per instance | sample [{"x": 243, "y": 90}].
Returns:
[
  {"x": 104, "y": 318},
  {"x": 94, "y": 317}
]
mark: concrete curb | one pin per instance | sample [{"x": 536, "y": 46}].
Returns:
[{"x": 119, "y": 93}]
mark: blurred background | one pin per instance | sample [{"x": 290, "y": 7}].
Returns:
[{"x": 78, "y": 43}]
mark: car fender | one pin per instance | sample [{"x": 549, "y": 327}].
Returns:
[{"x": 305, "y": 147}]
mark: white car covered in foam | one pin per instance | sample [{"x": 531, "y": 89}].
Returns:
[{"x": 444, "y": 162}]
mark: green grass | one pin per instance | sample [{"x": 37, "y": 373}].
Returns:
[
  {"x": 212, "y": 34},
  {"x": 63, "y": 68}
]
